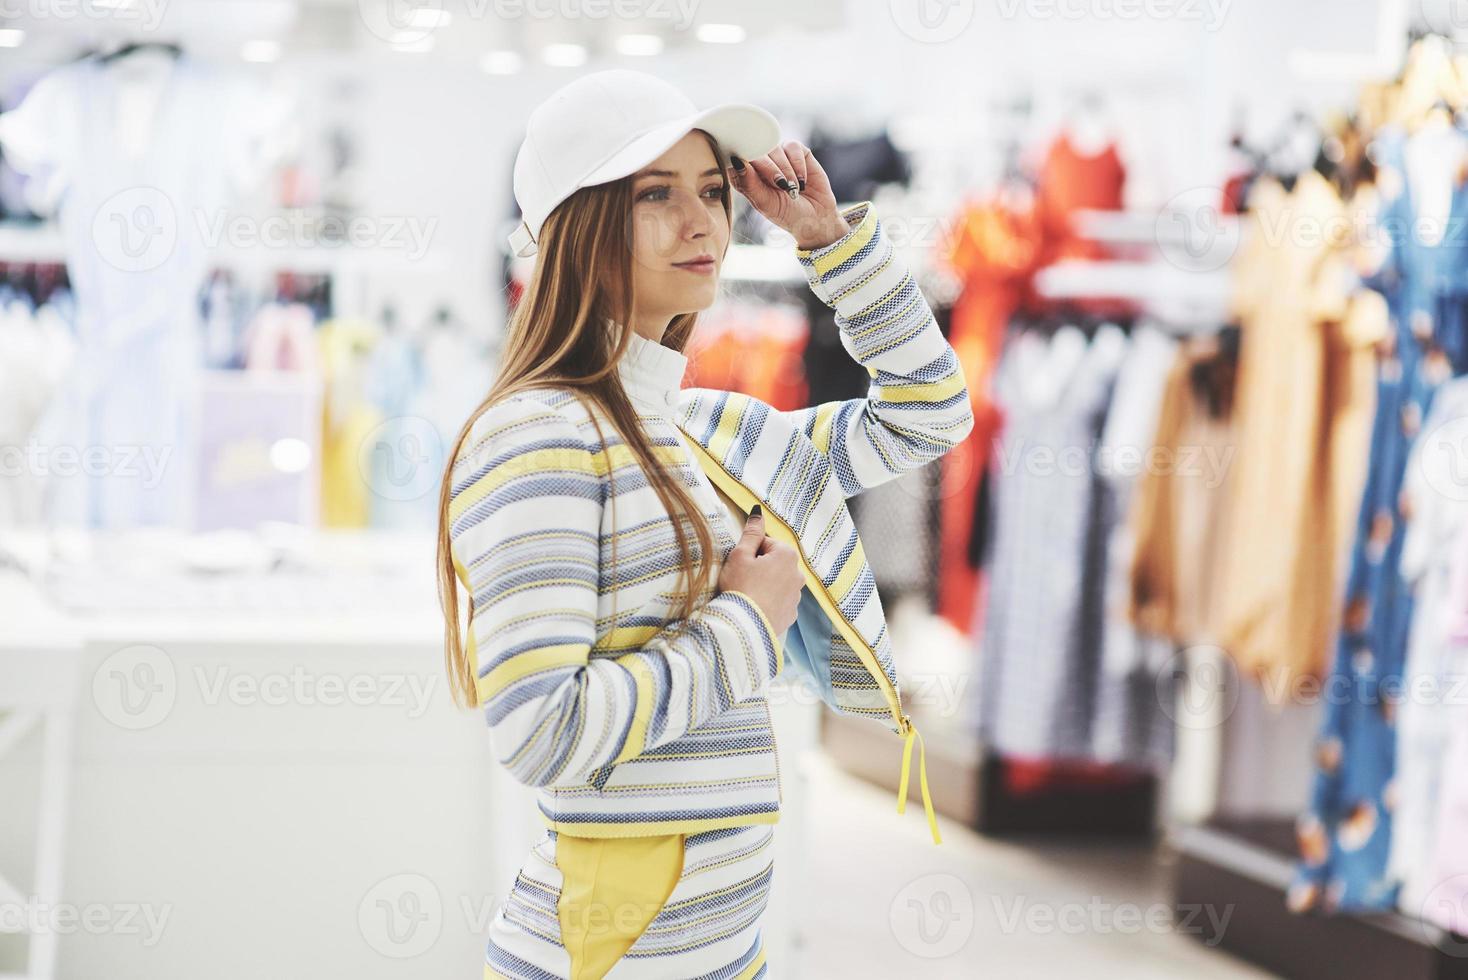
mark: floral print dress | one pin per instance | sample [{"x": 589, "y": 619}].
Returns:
[{"x": 1345, "y": 834}]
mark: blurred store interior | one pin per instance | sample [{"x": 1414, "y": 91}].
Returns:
[{"x": 1182, "y": 621}]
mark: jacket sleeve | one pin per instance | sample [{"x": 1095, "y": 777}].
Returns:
[
  {"x": 917, "y": 406},
  {"x": 524, "y": 528}
]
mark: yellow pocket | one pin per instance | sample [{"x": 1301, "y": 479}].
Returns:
[{"x": 612, "y": 888}]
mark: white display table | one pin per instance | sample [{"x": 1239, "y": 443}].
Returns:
[{"x": 266, "y": 776}]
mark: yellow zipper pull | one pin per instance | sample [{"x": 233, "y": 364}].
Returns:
[{"x": 912, "y": 732}]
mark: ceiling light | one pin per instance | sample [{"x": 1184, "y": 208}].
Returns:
[
  {"x": 11, "y": 37},
  {"x": 501, "y": 62},
  {"x": 720, "y": 33},
  {"x": 260, "y": 51},
  {"x": 639, "y": 45},
  {"x": 564, "y": 55}
]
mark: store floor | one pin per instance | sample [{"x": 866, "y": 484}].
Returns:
[{"x": 1017, "y": 911}]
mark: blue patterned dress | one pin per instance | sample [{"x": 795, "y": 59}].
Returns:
[{"x": 1345, "y": 834}]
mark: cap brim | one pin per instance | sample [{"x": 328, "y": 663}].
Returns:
[{"x": 746, "y": 130}]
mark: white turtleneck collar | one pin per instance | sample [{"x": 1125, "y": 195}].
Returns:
[{"x": 652, "y": 374}]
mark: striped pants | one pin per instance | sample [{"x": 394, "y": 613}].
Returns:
[{"x": 679, "y": 907}]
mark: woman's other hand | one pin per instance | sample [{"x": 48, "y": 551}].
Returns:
[{"x": 766, "y": 570}]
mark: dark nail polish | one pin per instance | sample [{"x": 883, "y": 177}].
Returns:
[
  {"x": 757, "y": 511},
  {"x": 782, "y": 183},
  {"x": 738, "y": 163},
  {"x": 802, "y": 182}
]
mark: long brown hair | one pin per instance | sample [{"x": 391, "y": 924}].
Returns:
[{"x": 557, "y": 337}]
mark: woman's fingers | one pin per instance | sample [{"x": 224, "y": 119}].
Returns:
[
  {"x": 787, "y": 169},
  {"x": 765, "y": 170},
  {"x": 754, "y": 185},
  {"x": 796, "y": 153}
]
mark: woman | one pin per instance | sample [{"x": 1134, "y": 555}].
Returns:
[{"x": 625, "y": 618}]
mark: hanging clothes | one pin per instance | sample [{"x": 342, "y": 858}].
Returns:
[
  {"x": 1034, "y": 696},
  {"x": 1434, "y": 523},
  {"x": 1444, "y": 877},
  {"x": 1301, "y": 414},
  {"x": 1179, "y": 517},
  {"x": 406, "y": 494},
  {"x": 755, "y": 348},
  {"x": 1131, "y": 679},
  {"x": 136, "y": 156},
  {"x": 349, "y": 421},
  {"x": 993, "y": 250},
  {"x": 1071, "y": 181},
  {"x": 1344, "y": 835},
  {"x": 36, "y": 351}
]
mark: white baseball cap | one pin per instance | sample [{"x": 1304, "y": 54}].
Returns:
[{"x": 608, "y": 124}]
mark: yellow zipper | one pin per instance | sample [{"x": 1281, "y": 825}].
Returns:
[
  {"x": 863, "y": 650},
  {"x": 746, "y": 499}
]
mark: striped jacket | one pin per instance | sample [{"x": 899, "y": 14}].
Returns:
[{"x": 629, "y": 721}]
